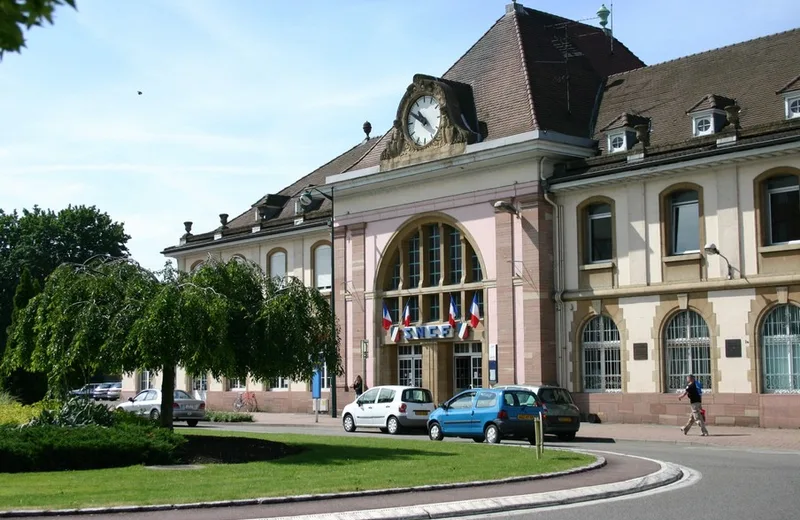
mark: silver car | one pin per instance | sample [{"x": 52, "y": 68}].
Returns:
[
  {"x": 114, "y": 391},
  {"x": 148, "y": 403}
]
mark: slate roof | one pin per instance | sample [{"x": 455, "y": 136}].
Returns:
[
  {"x": 749, "y": 73},
  {"x": 241, "y": 226},
  {"x": 518, "y": 75}
]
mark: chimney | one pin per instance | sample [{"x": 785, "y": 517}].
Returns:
[{"x": 515, "y": 7}]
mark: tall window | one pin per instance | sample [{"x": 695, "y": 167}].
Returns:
[
  {"x": 468, "y": 361},
  {"x": 413, "y": 261},
  {"x": 602, "y": 366},
  {"x": 477, "y": 273},
  {"x": 277, "y": 264},
  {"x": 393, "y": 304},
  {"x": 434, "y": 255},
  {"x": 434, "y": 305},
  {"x": 236, "y": 383},
  {"x": 599, "y": 233},
  {"x": 783, "y": 209},
  {"x": 684, "y": 222},
  {"x": 688, "y": 350},
  {"x": 409, "y": 365},
  {"x": 145, "y": 380},
  {"x": 413, "y": 308},
  {"x": 780, "y": 350},
  {"x": 455, "y": 256},
  {"x": 322, "y": 267},
  {"x": 394, "y": 282}
]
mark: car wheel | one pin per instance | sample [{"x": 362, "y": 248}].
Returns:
[
  {"x": 393, "y": 425},
  {"x": 192, "y": 423},
  {"x": 566, "y": 437},
  {"x": 348, "y": 423},
  {"x": 478, "y": 439},
  {"x": 492, "y": 434},
  {"x": 435, "y": 432},
  {"x": 154, "y": 414}
]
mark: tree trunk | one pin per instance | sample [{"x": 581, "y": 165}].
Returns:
[{"x": 167, "y": 395}]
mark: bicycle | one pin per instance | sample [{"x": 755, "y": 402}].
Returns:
[{"x": 245, "y": 401}]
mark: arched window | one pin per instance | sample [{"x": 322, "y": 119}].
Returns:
[
  {"x": 322, "y": 266},
  {"x": 687, "y": 346},
  {"x": 277, "y": 264},
  {"x": 780, "y": 350},
  {"x": 432, "y": 254},
  {"x": 599, "y": 233},
  {"x": 602, "y": 365},
  {"x": 195, "y": 266},
  {"x": 239, "y": 258}
]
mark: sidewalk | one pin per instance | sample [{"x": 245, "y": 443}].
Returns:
[{"x": 723, "y": 436}]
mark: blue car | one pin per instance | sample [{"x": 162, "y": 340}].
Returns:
[{"x": 488, "y": 415}]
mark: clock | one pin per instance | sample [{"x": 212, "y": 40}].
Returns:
[{"x": 423, "y": 119}]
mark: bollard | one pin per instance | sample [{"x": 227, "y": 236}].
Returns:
[{"x": 540, "y": 436}]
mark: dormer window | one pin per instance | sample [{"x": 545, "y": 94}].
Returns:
[
  {"x": 792, "y": 105},
  {"x": 617, "y": 142},
  {"x": 703, "y": 126},
  {"x": 707, "y": 122}
]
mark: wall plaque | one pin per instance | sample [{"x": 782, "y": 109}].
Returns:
[
  {"x": 733, "y": 348},
  {"x": 640, "y": 351}
]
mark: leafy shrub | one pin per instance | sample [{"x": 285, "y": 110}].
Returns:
[
  {"x": 53, "y": 448},
  {"x": 74, "y": 412},
  {"x": 7, "y": 399},
  {"x": 229, "y": 417}
]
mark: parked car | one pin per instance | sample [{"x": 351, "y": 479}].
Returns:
[
  {"x": 86, "y": 391},
  {"x": 563, "y": 415},
  {"x": 487, "y": 414},
  {"x": 114, "y": 391},
  {"x": 390, "y": 408},
  {"x": 148, "y": 403},
  {"x": 101, "y": 391}
]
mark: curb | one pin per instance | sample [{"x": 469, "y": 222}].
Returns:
[
  {"x": 668, "y": 474},
  {"x": 599, "y": 462}
]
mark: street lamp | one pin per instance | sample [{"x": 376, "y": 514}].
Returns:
[
  {"x": 711, "y": 249},
  {"x": 506, "y": 207},
  {"x": 306, "y": 199}
]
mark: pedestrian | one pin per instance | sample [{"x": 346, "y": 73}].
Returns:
[
  {"x": 696, "y": 402},
  {"x": 358, "y": 386}
]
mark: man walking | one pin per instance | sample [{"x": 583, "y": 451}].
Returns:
[{"x": 696, "y": 401}]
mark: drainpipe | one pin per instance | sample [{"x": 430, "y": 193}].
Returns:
[{"x": 558, "y": 278}]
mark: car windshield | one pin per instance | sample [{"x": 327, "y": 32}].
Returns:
[
  {"x": 417, "y": 395},
  {"x": 180, "y": 394},
  {"x": 104, "y": 385},
  {"x": 555, "y": 396}
]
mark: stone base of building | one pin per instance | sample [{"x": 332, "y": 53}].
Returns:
[{"x": 756, "y": 410}]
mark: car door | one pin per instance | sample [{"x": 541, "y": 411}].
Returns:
[
  {"x": 136, "y": 405},
  {"x": 458, "y": 415},
  {"x": 365, "y": 409},
  {"x": 486, "y": 407},
  {"x": 151, "y": 400},
  {"x": 384, "y": 406}
]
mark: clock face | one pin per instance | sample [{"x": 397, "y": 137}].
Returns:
[{"x": 424, "y": 118}]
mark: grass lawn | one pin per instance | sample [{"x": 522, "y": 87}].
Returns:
[{"x": 328, "y": 464}]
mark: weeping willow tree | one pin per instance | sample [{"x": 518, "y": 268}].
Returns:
[{"x": 225, "y": 318}]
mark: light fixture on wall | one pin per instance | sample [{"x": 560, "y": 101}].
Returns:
[
  {"x": 506, "y": 207},
  {"x": 711, "y": 249}
]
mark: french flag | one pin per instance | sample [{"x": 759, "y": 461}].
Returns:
[
  {"x": 475, "y": 312},
  {"x": 407, "y": 314},
  {"x": 453, "y": 312},
  {"x": 463, "y": 331},
  {"x": 395, "y": 334},
  {"x": 387, "y": 318}
]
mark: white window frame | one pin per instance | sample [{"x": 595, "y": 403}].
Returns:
[
  {"x": 788, "y": 99},
  {"x": 279, "y": 384},
  {"x": 273, "y": 255},
  {"x": 236, "y": 383},
  {"x": 598, "y": 216},
  {"x": 607, "y": 353},
  {"x": 780, "y": 351},
  {"x": 774, "y": 191},
  {"x": 145, "y": 380},
  {"x": 673, "y": 222},
  {"x": 696, "y": 125},
  {"x": 682, "y": 340},
  {"x": 318, "y": 277},
  {"x": 412, "y": 354},
  {"x": 612, "y": 136}
]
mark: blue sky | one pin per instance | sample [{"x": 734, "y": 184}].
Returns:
[{"x": 241, "y": 97}]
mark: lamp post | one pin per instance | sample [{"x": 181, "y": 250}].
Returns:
[
  {"x": 711, "y": 249},
  {"x": 306, "y": 199}
]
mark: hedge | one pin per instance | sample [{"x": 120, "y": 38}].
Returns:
[
  {"x": 229, "y": 417},
  {"x": 54, "y": 448}
]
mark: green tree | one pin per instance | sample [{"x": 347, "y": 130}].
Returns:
[
  {"x": 229, "y": 319},
  {"x": 40, "y": 240},
  {"x": 20, "y": 383},
  {"x": 17, "y": 16}
]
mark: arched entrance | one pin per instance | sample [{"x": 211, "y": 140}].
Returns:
[{"x": 431, "y": 270}]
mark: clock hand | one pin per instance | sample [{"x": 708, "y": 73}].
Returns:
[{"x": 419, "y": 118}]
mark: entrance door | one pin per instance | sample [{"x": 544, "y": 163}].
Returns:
[
  {"x": 409, "y": 365},
  {"x": 199, "y": 386},
  {"x": 467, "y": 366}
]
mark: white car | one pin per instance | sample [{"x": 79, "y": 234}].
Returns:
[
  {"x": 390, "y": 408},
  {"x": 148, "y": 403}
]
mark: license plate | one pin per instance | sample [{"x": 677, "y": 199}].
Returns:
[
  {"x": 525, "y": 417},
  {"x": 565, "y": 419},
  {"x": 421, "y": 412},
  {"x": 190, "y": 406}
]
